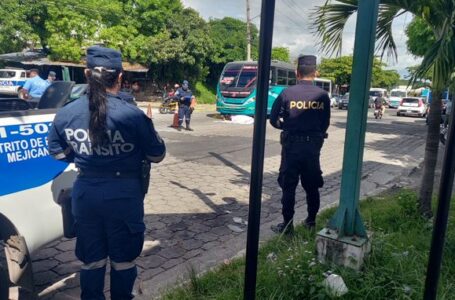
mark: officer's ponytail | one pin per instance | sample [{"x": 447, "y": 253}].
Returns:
[{"x": 98, "y": 80}]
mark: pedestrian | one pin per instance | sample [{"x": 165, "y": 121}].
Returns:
[
  {"x": 51, "y": 77},
  {"x": 302, "y": 112},
  {"x": 186, "y": 99},
  {"x": 112, "y": 144},
  {"x": 34, "y": 87}
]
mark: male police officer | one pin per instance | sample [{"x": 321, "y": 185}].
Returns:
[
  {"x": 185, "y": 97},
  {"x": 303, "y": 113},
  {"x": 108, "y": 139}
]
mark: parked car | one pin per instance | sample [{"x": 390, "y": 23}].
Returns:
[
  {"x": 12, "y": 81},
  {"x": 344, "y": 101},
  {"x": 412, "y": 106}
]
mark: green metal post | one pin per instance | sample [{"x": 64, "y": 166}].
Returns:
[{"x": 347, "y": 220}]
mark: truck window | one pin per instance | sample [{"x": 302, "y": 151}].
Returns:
[{"x": 23, "y": 75}]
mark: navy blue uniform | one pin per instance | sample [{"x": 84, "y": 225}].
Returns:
[
  {"x": 107, "y": 197},
  {"x": 303, "y": 113},
  {"x": 185, "y": 97}
]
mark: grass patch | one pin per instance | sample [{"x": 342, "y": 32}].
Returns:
[
  {"x": 394, "y": 270},
  {"x": 204, "y": 94}
]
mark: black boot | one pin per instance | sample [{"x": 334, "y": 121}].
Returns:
[
  {"x": 188, "y": 127},
  {"x": 283, "y": 228},
  {"x": 310, "y": 223}
]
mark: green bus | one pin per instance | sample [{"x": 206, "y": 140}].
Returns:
[{"x": 236, "y": 89}]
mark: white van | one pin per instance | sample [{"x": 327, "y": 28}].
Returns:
[
  {"x": 32, "y": 185},
  {"x": 12, "y": 81},
  {"x": 375, "y": 92},
  {"x": 396, "y": 96}
]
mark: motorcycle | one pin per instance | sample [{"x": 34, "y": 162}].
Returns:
[{"x": 378, "y": 113}]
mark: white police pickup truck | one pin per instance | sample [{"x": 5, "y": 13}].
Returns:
[
  {"x": 12, "y": 81},
  {"x": 32, "y": 187}
]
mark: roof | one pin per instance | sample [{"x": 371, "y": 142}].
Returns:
[
  {"x": 39, "y": 58},
  {"x": 274, "y": 63}
]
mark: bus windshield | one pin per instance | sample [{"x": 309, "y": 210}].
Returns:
[
  {"x": 376, "y": 93},
  {"x": 239, "y": 77},
  {"x": 398, "y": 94}
]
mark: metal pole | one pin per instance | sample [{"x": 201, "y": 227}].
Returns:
[
  {"x": 248, "y": 31},
  {"x": 347, "y": 220},
  {"x": 257, "y": 161},
  {"x": 442, "y": 214}
]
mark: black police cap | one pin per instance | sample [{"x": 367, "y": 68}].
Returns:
[
  {"x": 307, "y": 60},
  {"x": 104, "y": 57}
]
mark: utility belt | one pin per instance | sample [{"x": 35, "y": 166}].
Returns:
[
  {"x": 143, "y": 175},
  {"x": 287, "y": 137},
  {"x": 83, "y": 173}
]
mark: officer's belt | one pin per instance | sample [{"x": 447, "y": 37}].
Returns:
[
  {"x": 108, "y": 174},
  {"x": 302, "y": 137}
]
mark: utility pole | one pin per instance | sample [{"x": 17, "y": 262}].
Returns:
[{"x": 248, "y": 31}]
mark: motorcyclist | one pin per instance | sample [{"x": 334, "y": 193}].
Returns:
[{"x": 380, "y": 103}]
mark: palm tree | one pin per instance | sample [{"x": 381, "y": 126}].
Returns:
[{"x": 329, "y": 21}]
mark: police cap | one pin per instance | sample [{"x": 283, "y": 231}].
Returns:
[
  {"x": 307, "y": 61},
  {"x": 104, "y": 57}
]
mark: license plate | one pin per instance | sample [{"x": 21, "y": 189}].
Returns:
[{"x": 409, "y": 111}]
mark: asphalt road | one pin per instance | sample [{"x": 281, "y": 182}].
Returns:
[{"x": 212, "y": 135}]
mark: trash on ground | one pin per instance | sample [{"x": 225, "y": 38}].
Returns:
[
  {"x": 272, "y": 256},
  {"x": 335, "y": 285},
  {"x": 235, "y": 228}
]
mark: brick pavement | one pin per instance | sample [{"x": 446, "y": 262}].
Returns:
[{"x": 192, "y": 203}]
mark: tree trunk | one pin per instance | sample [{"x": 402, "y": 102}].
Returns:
[{"x": 431, "y": 155}]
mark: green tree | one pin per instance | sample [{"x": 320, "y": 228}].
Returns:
[
  {"x": 229, "y": 44},
  {"x": 339, "y": 70},
  {"x": 281, "y": 54},
  {"x": 420, "y": 37},
  {"x": 16, "y": 31},
  {"x": 439, "y": 15}
]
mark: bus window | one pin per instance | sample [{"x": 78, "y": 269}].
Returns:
[
  {"x": 273, "y": 75},
  {"x": 291, "y": 78},
  {"x": 282, "y": 78}
]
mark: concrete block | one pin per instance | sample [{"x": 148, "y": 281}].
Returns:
[{"x": 347, "y": 251}]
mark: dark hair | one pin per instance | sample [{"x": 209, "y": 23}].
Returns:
[
  {"x": 306, "y": 70},
  {"x": 34, "y": 71},
  {"x": 98, "y": 80}
]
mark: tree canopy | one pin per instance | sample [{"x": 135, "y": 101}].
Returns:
[
  {"x": 339, "y": 71},
  {"x": 174, "y": 41},
  {"x": 281, "y": 54},
  {"x": 420, "y": 37}
]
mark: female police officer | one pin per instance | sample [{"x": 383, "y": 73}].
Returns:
[{"x": 108, "y": 139}]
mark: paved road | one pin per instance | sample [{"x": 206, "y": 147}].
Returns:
[{"x": 203, "y": 184}]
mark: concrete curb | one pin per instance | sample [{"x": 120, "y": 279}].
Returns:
[{"x": 374, "y": 183}]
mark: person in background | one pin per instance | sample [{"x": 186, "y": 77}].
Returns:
[
  {"x": 185, "y": 96},
  {"x": 51, "y": 77},
  {"x": 34, "y": 87}
]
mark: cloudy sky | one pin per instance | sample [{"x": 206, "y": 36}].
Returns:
[{"x": 292, "y": 26}]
